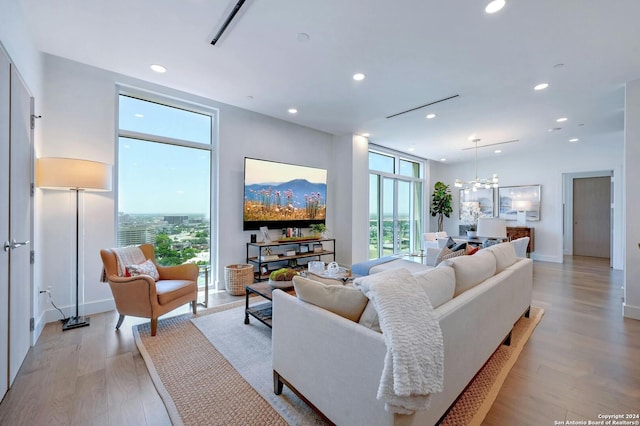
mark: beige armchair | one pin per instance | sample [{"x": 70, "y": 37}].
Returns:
[{"x": 141, "y": 296}]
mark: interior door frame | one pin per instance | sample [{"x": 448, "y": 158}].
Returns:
[{"x": 567, "y": 221}]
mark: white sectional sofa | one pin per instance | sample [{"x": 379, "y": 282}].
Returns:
[{"x": 336, "y": 363}]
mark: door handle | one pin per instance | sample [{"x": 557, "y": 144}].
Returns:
[{"x": 14, "y": 244}]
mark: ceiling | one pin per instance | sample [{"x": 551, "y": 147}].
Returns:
[{"x": 412, "y": 52}]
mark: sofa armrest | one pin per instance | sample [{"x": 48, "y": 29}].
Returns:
[
  {"x": 134, "y": 295},
  {"x": 334, "y": 362},
  {"x": 187, "y": 271}
]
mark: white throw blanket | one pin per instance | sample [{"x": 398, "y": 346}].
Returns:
[
  {"x": 414, "y": 362},
  {"x": 128, "y": 256}
]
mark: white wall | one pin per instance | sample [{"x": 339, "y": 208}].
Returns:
[
  {"x": 79, "y": 121},
  {"x": 632, "y": 199},
  {"x": 545, "y": 168}
]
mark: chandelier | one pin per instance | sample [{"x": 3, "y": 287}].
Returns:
[{"x": 474, "y": 185}]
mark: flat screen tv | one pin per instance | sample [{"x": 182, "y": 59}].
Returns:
[{"x": 279, "y": 195}]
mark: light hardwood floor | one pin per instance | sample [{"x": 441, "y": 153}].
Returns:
[{"x": 582, "y": 360}]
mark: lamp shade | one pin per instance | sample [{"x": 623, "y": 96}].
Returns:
[
  {"x": 72, "y": 173},
  {"x": 492, "y": 228}
]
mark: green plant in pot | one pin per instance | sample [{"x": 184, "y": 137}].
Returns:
[
  {"x": 318, "y": 229},
  {"x": 441, "y": 200}
]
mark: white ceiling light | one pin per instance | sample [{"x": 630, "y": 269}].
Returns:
[
  {"x": 366, "y": 135},
  {"x": 138, "y": 115},
  {"x": 561, "y": 119},
  {"x": 443, "y": 159},
  {"x": 430, "y": 116},
  {"x": 494, "y": 6},
  {"x": 411, "y": 149},
  {"x": 541, "y": 86},
  {"x": 497, "y": 151},
  {"x": 293, "y": 111},
  {"x": 158, "y": 68},
  {"x": 476, "y": 183},
  {"x": 574, "y": 140},
  {"x": 358, "y": 77}
]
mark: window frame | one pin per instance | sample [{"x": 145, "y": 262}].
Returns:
[
  {"x": 397, "y": 177},
  {"x": 212, "y": 147}
]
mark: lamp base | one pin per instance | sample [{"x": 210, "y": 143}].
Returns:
[{"x": 75, "y": 322}]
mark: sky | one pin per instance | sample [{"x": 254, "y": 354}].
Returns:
[{"x": 163, "y": 178}]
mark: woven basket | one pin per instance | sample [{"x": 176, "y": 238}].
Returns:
[{"x": 236, "y": 277}]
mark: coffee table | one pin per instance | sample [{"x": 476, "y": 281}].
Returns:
[{"x": 261, "y": 311}]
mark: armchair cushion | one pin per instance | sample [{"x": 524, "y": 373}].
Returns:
[
  {"x": 145, "y": 268},
  {"x": 169, "y": 290}
]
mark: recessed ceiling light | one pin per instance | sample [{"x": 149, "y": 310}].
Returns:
[
  {"x": 554, "y": 129},
  {"x": 366, "y": 135},
  {"x": 558, "y": 65},
  {"x": 561, "y": 119},
  {"x": 541, "y": 86},
  {"x": 430, "y": 116},
  {"x": 358, "y": 77},
  {"x": 293, "y": 111},
  {"x": 138, "y": 115},
  {"x": 250, "y": 97},
  {"x": 472, "y": 137},
  {"x": 443, "y": 159},
  {"x": 494, "y": 6},
  {"x": 411, "y": 149},
  {"x": 574, "y": 140},
  {"x": 158, "y": 68},
  {"x": 497, "y": 151}
]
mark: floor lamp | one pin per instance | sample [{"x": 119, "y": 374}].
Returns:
[{"x": 78, "y": 176}]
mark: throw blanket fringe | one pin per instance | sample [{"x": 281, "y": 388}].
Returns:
[
  {"x": 126, "y": 256},
  {"x": 414, "y": 362}
]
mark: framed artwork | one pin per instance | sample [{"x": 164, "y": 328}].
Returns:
[
  {"x": 519, "y": 198},
  {"x": 480, "y": 201}
]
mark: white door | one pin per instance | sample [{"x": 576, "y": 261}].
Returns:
[
  {"x": 4, "y": 222},
  {"x": 20, "y": 179}
]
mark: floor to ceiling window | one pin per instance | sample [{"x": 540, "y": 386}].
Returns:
[
  {"x": 164, "y": 178},
  {"x": 396, "y": 208}
]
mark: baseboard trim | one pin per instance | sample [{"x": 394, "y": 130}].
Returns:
[
  {"x": 629, "y": 311},
  {"x": 545, "y": 258},
  {"x": 53, "y": 315}
]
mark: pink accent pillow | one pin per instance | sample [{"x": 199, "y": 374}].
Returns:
[{"x": 145, "y": 268}]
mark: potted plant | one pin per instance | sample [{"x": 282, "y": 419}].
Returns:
[
  {"x": 441, "y": 203},
  {"x": 470, "y": 212},
  {"x": 318, "y": 229}
]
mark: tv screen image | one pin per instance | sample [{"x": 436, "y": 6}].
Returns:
[{"x": 280, "y": 195}]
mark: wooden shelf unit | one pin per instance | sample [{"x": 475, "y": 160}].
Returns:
[{"x": 254, "y": 258}]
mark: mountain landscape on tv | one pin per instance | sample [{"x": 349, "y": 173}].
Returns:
[{"x": 297, "y": 199}]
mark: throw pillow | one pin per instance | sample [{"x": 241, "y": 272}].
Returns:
[
  {"x": 369, "y": 318},
  {"x": 461, "y": 252},
  {"x": 505, "y": 255},
  {"x": 472, "y": 249},
  {"x": 444, "y": 252},
  {"x": 471, "y": 270},
  {"x": 459, "y": 246},
  {"x": 438, "y": 283},
  {"x": 327, "y": 281},
  {"x": 348, "y": 302},
  {"x": 451, "y": 242},
  {"x": 145, "y": 268}
]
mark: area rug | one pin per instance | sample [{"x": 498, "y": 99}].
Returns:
[{"x": 225, "y": 377}]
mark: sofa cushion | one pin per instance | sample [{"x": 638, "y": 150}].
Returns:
[
  {"x": 369, "y": 318},
  {"x": 439, "y": 283},
  {"x": 505, "y": 255},
  {"x": 471, "y": 270},
  {"x": 323, "y": 280},
  {"x": 347, "y": 302}
]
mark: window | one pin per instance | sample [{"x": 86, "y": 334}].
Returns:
[
  {"x": 164, "y": 166},
  {"x": 396, "y": 208}
]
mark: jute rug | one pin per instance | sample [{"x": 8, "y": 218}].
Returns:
[{"x": 228, "y": 381}]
